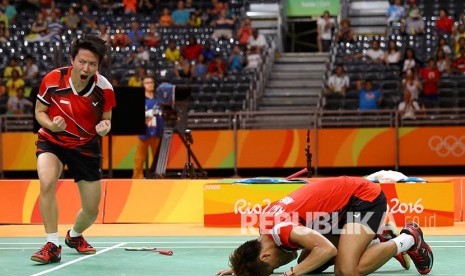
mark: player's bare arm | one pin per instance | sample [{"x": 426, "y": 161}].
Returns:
[
  {"x": 321, "y": 249},
  {"x": 55, "y": 124},
  {"x": 104, "y": 126},
  {"x": 225, "y": 272}
]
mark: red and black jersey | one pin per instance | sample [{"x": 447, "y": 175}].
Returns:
[
  {"x": 82, "y": 111},
  {"x": 311, "y": 201}
]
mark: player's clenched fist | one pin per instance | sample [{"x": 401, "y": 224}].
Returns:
[
  {"x": 58, "y": 124},
  {"x": 103, "y": 127}
]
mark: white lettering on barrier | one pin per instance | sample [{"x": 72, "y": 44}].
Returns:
[
  {"x": 404, "y": 208},
  {"x": 242, "y": 206}
]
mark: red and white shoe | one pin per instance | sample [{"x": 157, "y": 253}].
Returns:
[
  {"x": 49, "y": 253},
  {"x": 389, "y": 232},
  {"x": 420, "y": 253},
  {"x": 80, "y": 244}
]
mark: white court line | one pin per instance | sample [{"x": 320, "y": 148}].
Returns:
[{"x": 78, "y": 260}]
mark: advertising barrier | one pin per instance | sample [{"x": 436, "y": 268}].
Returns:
[{"x": 233, "y": 205}]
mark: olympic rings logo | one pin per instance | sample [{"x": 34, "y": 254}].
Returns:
[{"x": 445, "y": 146}]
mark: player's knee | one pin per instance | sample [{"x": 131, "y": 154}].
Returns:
[
  {"x": 346, "y": 271},
  {"x": 47, "y": 187}
]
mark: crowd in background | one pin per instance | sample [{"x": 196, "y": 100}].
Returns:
[
  {"x": 419, "y": 76},
  {"x": 193, "y": 58}
]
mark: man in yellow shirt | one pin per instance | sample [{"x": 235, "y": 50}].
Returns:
[{"x": 172, "y": 53}]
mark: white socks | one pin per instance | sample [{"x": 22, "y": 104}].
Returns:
[
  {"x": 73, "y": 233},
  {"x": 53, "y": 237},
  {"x": 404, "y": 242}
]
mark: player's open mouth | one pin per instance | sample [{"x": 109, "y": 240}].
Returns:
[{"x": 83, "y": 77}]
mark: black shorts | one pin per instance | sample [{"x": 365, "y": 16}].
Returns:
[
  {"x": 81, "y": 166},
  {"x": 367, "y": 213}
]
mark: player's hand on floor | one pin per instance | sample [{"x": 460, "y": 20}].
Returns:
[
  {"x": 58, "y": 124},
  {"x": 225, "y": 272},
  {"x": 103, "y": 127}
]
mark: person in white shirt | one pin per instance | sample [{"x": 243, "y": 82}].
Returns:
[
  {"x": 253, "y": 58},
  {"x": 325, "y": 24},
  {"x": 258, "y": 40},
  {"x": 339, "y": 82},
  {"x": 408, "y": 107},
  {"x": 30, "y": 71},
  {"x": 375, "y": 53}
]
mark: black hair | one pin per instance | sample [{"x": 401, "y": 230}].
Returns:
[{"x": 89, "y": 42}]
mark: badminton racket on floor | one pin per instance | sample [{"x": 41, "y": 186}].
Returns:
[{"x": 151, "y": 249}]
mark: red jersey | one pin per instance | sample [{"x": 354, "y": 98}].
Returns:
[
  {"x": 311, "y": 201},
  {"x": 82, "y": 111}
]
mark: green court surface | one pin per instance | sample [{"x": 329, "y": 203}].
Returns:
[{"x": 192, "y": 256}]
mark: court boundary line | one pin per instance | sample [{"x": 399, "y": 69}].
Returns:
[{"x": 77, "y": 260}]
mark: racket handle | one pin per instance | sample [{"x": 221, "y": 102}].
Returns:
[{"x": 164, "y": 252}]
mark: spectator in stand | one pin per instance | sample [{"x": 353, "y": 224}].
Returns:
[
  {"x": 180, "y": 16},
  {"x": 458, "y": 34},
  {"x": 184, "y": 69},
  {"x": 14, "y": 83},
  {"x": 190, "y": 6},
  {"x": 244, "y": 32},
  {"x": 217, "y": 68},
  {"x": 460, "y": 44},
  {"x": 408, "y": 107},
  {"x": 152, "y": 37},
  {"x": 369, "y": 98},
  {"x": 223, "y": 26},
  {"x": 444, "y": 23},
  {"x": 88, "y": 20},
  {"x": 4, "y": 18},
  {"x": 39, "y": 28},
  {"x": 208, "y": 52},
  {"x": 30, "y": 71},
  {"x": 254, "y": 59},
  {"x": 130, "y": 6},
  {"x": 412, "y": 84},
  {"x": 392, "y": 55},
  {"x": 258, "y": 40},
  {"x": 395, "y": 13},
  {"x": 135, "y": 34},
  {"x": 410, "y": 62},
  {"x": 338, "y": 83},
  {"x": 10, "y": 10},
  {"x": 104, "y": 33},
  {"x": 146, "y": 6},
  {"x": 19, "y": 105},
  {"x": 120, "y": 39},
  {"x": 4, "y": 33},
  {"x": 414, "y": 25},
  {"x": 192, "y": 49},
  {"x": 236, "y": 60},
  {"x": 325, "y": 25},
  {"x": 442, "y": 44},
  {"x": 54, "y": 28},
  {"x": 431, "y": 77},
  {"x": 71, "y": 20},
  {"x": 375, "y": 54},
  {"x": 345, "y": 33},
  {"x": 172, "y": 53},
  {"x": 411, "y": 5},
  {"x": 12, "y": 65},
  {"x": 459, "y": 62},
  {"x": 3, "y": 98},
  {"x": 165, "y": 19},
  {"x": 442, "y": 62},
  {"x": 194, "y": 20},
  {"x": 139, "y": 58},
  {"x": 200, "y": 67},
  {"x": 136, "y": 79}
]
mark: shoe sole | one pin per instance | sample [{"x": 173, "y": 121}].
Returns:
[
  {"x": 395, "y": 233},
  {"x": 52, "y": 260}
]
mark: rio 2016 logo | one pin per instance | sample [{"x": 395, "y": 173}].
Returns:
[
  {"x": 404, "y": 208},
  {"x": 243, "y": 207}
]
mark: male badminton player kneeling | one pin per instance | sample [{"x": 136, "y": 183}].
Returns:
[{"x": 353, "y": 208}]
